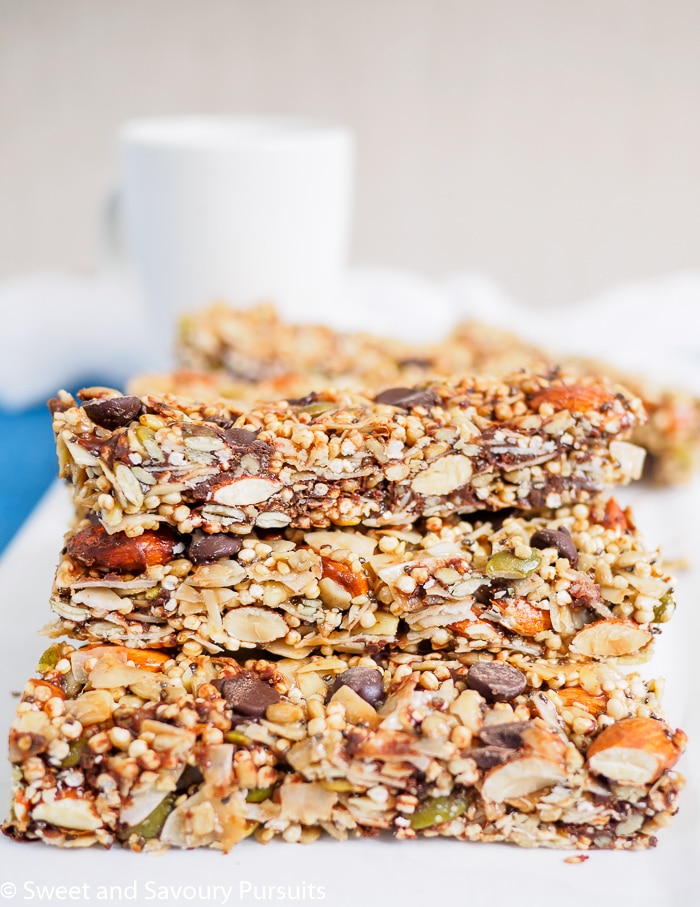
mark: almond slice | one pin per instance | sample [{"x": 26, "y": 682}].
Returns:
[
  {"x": 69, "y": 812},
  {"x": 594, "y": 704},
  {"x": 443, "y": 476},
  {"x": 258, "y": 625},
  {"x": 610, "y": 638},
  {"x": 244, "y": 491},
  {"x": 521, "y": 777}
]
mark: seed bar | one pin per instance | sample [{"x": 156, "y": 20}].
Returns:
[
  {"x": 526, "y": 441},
  {"x": 255, "y": 346},
  {"x": 577, "y": 583},
  {"x": 115, "y": 745}
]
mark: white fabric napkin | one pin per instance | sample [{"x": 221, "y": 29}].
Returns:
[{"x": 60, "y": 330}]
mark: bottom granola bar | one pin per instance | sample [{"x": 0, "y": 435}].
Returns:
[{"x": 121, "y": 745}]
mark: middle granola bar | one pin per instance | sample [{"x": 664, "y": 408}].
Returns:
[
  {"x": 575, "y": 583},
  {"x": 526, "y": 440}
]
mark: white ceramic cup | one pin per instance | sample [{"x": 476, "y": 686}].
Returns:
[{"x": 235, "y": 209}]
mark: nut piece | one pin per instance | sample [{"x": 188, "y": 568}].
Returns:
[
  {"x": 609, "y": 639},
  {"x": 362, "y": 545},
  {"x": 522, "y": 617},
  {"x": 614, "y": 517},
  {"x": 357, "y": 709},
  {"x": 353, "y": 583},
  {"x": 117, "y": 553},
  {"x": 467, "y": 707},
  {"x": 244, "y": 491},
  {"x": 254, "y": 625},
  {"x": 576, "y": 398},
  {"x": 520, "y": 778},
  {"x": 69, "y": 812},
  {"x": 443, "y": 476},
  {"x": 635, "y": 750},
  {"x": 594, "y": 704},
  {"x": 92, "y": 707}
]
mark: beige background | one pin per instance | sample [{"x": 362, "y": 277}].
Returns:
[{"x": 553, "y": 144}]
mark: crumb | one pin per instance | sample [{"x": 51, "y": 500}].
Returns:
[{"x": 579, "y": 858}]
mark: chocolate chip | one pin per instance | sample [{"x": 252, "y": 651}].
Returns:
[
  {"x": 366, "y": 682},
  {"x": 559, "y": 539},
  {"x": 304, "y": 401},
  {"x": 240, "y": 437},
  {"x": 113, "y": 413},
  {"x": 262, "y": 449},
  {"x": 247, "y": 695},
  {"x": 495, "y": 681},
  {"x": 203, "y": 549},
  {"x": 416, "y": 362},
  {"x": 407, "y": 397},
  {"x": 488, "y": 756},
  {"x": 508, "y": 735},
  {"x": 191, "y": 775}
]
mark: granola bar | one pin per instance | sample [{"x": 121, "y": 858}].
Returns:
[
  {"x": 576, "y": 583},
  {"x": 251, "y": 355},
  {"x": 248, "y": 355},
  {"x": 113, "y": 745},
  {"x": 527, "y": 441},
  {"x": 255, "y": 346}
]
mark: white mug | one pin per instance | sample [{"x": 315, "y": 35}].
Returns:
[{"x": 235, "y": 209}]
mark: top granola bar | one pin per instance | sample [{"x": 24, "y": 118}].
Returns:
[{"x": 526, "y": 441}]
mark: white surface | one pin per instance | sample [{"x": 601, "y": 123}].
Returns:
[{"x": 369, "y": 872}]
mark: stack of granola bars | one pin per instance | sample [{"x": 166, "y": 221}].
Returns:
[{"x": 401, "y": 608}]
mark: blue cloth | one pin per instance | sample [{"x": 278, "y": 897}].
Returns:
[{"x": 27, "y": 465}]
